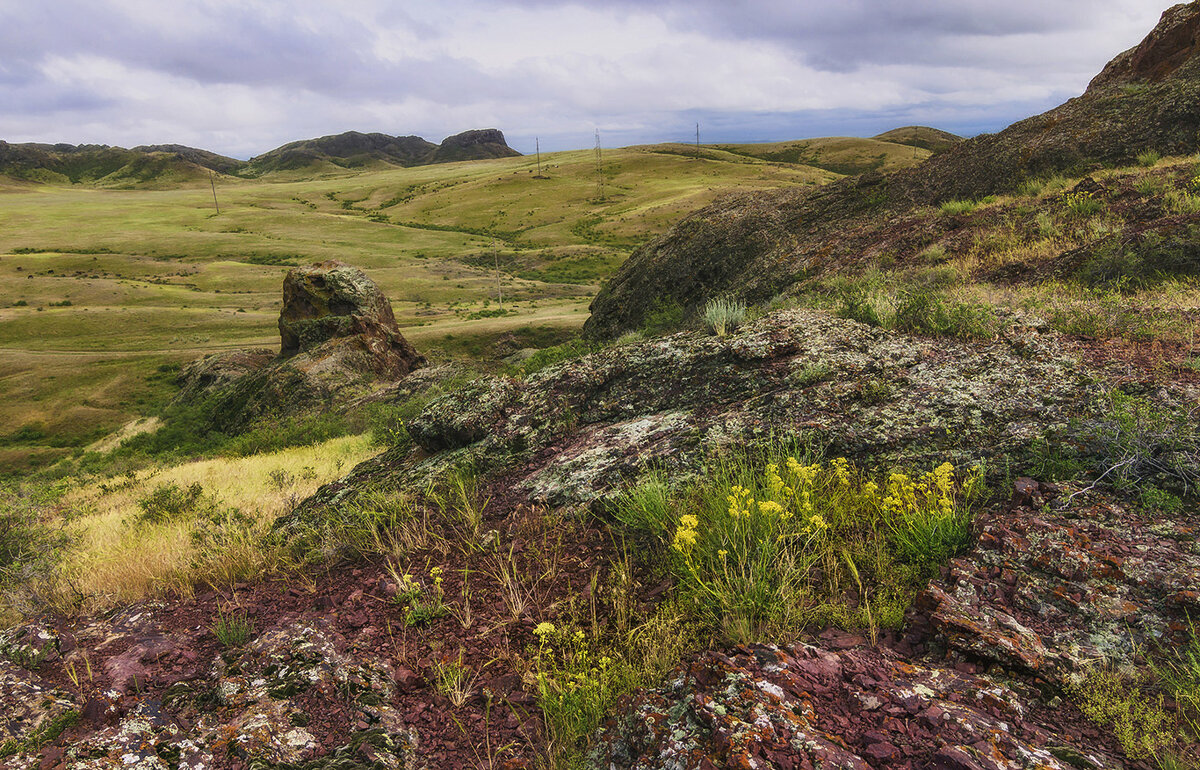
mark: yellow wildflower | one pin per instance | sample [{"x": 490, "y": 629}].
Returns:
[
  {"x": 770, "y": 507},
  {"x": 543, "y": 630}
]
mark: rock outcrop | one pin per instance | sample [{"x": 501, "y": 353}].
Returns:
[
  {"x": 332, "y": 301},
  {"x": 576, "y": 432},
  {"x": 338, "y": 343},
  {"x": 755, "y": 245},
  {"x": 473, "y": 145}
]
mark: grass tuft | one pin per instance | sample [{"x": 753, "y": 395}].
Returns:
[
  {"x": 233, "y": 630},
  {"x": 723, "y": 316}
]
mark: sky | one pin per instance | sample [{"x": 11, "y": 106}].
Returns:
[{"x": 241, "y": 77}]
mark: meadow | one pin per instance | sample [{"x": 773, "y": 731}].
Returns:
[{"x": 103, "y": 292}]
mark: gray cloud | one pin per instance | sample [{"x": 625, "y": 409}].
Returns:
[{"x": 241, "y": 76}]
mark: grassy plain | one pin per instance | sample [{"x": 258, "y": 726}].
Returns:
[{"x": 102, "y": 290}]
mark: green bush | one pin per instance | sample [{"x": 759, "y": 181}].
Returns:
[
  {"x": 168, "y": 502},
  {"x": 1120, "y": 703},
  {"x": 29, "y": 547},
  {"x": 1145, "y": 262}
]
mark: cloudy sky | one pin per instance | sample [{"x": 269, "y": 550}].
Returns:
[{"x": 243, "y": 76}]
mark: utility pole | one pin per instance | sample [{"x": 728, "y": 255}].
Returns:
[
  {"x": 213, "y": 184},
  {"x": 496, "y": 259},
  {"x": 697, "y": 141},
  {"x": 538, "y": 147},
  {"x": 599, "y": 166}
]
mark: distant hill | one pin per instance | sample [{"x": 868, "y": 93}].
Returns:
[
  {"x": 167, "y": 164},
  {"x": 110, "y": 166},
  {"x": 357, "y": 150},
  {"x": 932, "y": 139},
  {"x": 841, "y": 155}
]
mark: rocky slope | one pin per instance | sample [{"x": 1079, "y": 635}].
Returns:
[{"x": 755, "y": 246}]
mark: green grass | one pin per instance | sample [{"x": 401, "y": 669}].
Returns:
[
  {"x": 233, "y": 630},
  {"x": 154, "y": 276}
]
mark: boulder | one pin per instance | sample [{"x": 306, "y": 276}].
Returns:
[{"x": 333, "y": 301}]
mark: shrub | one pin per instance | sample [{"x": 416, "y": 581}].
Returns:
[
  {"x": 759, "y": 549},
  {"x": 578, "y": 684},
  {"x": 724, "y": 316},
  {"x": 1118, "y": 702},
  {"x": 1144, "y": 262},
  {"x": 29, "y": 547},
  {"x": 1137, "y": 440},
  {"x": 1178, "y": 672},
  {"x": 170, "y": 501},
  {"x": 953, "y": 208}
]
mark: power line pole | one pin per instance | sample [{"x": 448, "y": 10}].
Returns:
[
  {"x": 214, "y": 189},
  {"x": 538, "y": 146},
  {"x": 697, "y": 141},
  {"x": 496, "y": 259},
  {"x": 599, "y": 166}
]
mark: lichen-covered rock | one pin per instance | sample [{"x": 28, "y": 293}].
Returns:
[
  {"x": 579, "y": 430},
  {"x": 1047, "y": 592},
  {"x": 806, "y": 707},
  {"x": 31, "y": 712},
  {"x": 334, "y": 301}
]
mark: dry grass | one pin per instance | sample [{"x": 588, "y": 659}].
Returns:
[{"x": 116, "y": 560}]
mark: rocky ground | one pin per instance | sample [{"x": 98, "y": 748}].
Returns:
[{"x": 333, "y": 675}]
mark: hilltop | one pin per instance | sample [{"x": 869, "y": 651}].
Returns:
[
  {"x": 167, "y": 164},
  {"x": 932, "y": 139},
  {"x": 355, "y": 150},
  {"x": 106, "y": 166}
]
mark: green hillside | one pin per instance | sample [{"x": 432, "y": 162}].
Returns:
[{"x": 103, "y": 288}]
